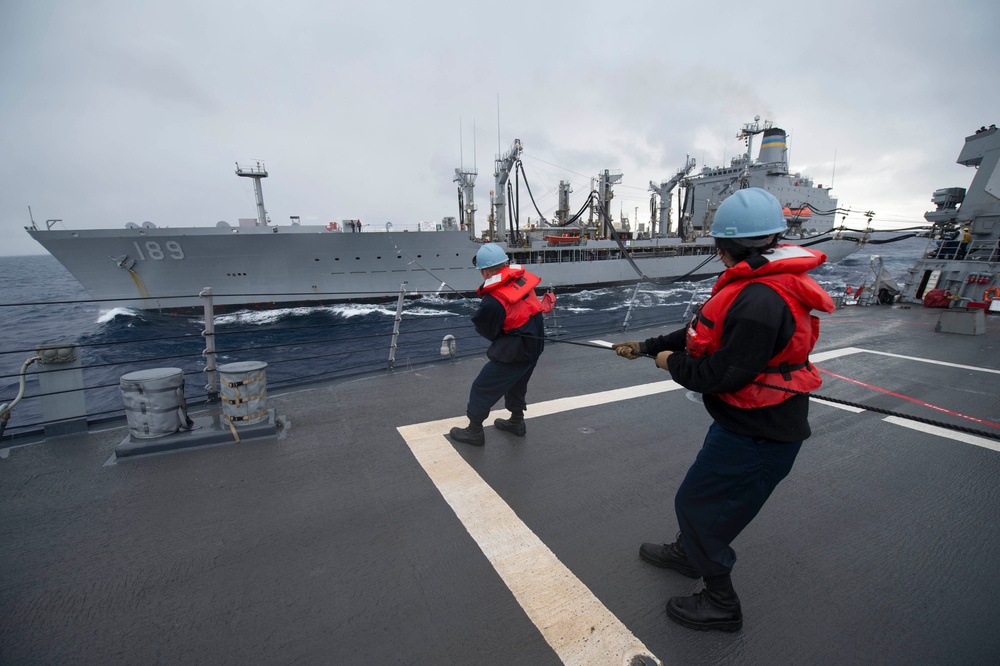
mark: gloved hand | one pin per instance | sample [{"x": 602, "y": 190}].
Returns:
[
  {"x": 629, "y": 350},
  {"x": 661, "y": 360},
  {"x": 548, "y": 301}
]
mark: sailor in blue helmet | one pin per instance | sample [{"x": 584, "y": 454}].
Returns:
[
  {"x": 755, "y": 328},
  {"x": 510, "y": 317}
]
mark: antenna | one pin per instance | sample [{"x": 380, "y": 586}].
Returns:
[
  {"x": 461, "y": 149},
  {"x": 474, "y": 163},
  {"x": 499, "y": 149}
]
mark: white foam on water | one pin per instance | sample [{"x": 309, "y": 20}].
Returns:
[
  {"x": 108, "y": 315},
  {"x": 259, "y": 317}
]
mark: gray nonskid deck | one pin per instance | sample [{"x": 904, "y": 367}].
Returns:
[{"x": 333, "y": 545}]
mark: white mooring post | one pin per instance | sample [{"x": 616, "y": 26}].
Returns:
[
  {"x": 212, "y": 385},
  {"x": 60, "y": 383}
]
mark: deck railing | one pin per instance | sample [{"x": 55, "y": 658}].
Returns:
[{"x": 297, "y": 356}]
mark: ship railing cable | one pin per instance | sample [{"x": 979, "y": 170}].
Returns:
[
  {"x": 311, "y": 294},
  {"x": 416, "y": 349},
  {"x": 218, "y": 334},
  {"x": 415, "y": 353}
]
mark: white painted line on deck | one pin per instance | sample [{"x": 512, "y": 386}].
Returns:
[
  {"x": 933, "y": 362},
  {"x": 993, "y": 445},
  {"x": 834, "y": 353},
  {"x": 572, "y": 620},
  {"x": 846, "y": 408},
  {"x": 907, "y": 423}
]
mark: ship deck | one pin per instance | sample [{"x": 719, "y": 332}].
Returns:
[{"x": 362, "y": 535}]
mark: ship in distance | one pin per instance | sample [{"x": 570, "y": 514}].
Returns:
[{"x": 258, "y": 264}]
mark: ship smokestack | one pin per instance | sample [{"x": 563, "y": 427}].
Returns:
[{"x": 774, "y": 148}]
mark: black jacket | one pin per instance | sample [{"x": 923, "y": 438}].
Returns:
[
  {"x": 757, "y": 327},
  {"x": 509, "y": 347}
]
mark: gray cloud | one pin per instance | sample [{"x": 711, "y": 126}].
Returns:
[{"x": 114, "y": 112}]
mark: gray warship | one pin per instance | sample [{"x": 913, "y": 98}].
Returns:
[
  {"x": 259, "y": 264},
  {"x": 962, "y": 259},
  {"x": 810, "y": 210}
]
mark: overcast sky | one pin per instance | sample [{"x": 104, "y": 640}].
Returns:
[{"x": 126, "y": 111}]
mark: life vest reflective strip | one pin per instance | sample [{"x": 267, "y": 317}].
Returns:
[
  {"x": 514, "y": 287},
  {"x": 790, "y": 368}
]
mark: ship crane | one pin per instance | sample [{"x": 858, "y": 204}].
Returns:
[
  {"x": 466, "y": 179},
  {"x": 664, "y": 190},
  {"x": 256, "y": 172},
  {"x": 504, "y": 164}
]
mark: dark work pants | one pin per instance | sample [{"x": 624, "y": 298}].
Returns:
[
  {"x": 724, "y": 490},
  {"x": 499, "y": 380}
]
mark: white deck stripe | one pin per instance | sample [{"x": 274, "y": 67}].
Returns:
[
  {"x": 834, "y": 353},
  {"x": 927, "y": 360},
  {"x": 572, "y": 620},
  {"x": 993, "y": 445},
  {"x": 836, "y": 405}
]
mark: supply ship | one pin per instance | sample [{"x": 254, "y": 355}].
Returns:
[{"x": 260, "y": 264}]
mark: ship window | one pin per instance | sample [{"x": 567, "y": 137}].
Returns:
[
  {"x": 316, "y": 259},
  {"x": 378, "y": 257},
  {"x": 336, "y": 258},
  {"x": 357, "y": 258}
]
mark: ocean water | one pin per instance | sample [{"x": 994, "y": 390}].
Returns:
[{"x": 41, "y": 303}]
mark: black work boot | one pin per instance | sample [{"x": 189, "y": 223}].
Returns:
[
  {"x": 473, "y": 434},
  {"x": 514, "y": 424},
  {"x": 715, "y": 607},
  {"x": 669, "y": 556}
]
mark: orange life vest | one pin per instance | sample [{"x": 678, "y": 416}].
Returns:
[
  {"x": 785, "y": 273},
  {"x": 514, "y": 287}
]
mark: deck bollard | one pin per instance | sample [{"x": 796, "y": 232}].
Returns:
[{"x": 448, "y": 345}]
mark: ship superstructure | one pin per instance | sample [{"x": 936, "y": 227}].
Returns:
[
  {"x": 810, "y": 210},
  {"x": 963, "y": 255}
]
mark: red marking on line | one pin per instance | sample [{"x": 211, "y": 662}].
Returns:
[{"x": 906, "y": 397}]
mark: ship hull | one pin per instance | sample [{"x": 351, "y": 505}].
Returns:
[{"x": 167, "y": 268}]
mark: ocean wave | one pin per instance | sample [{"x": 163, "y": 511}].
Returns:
[
  {"x": 260, "y": 317},
  {"x": 109, "y": 315}
]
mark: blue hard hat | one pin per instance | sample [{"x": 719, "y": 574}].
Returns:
[
  {"x": 490, "y": 255},
  {"x": 749, "y": 212}
]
